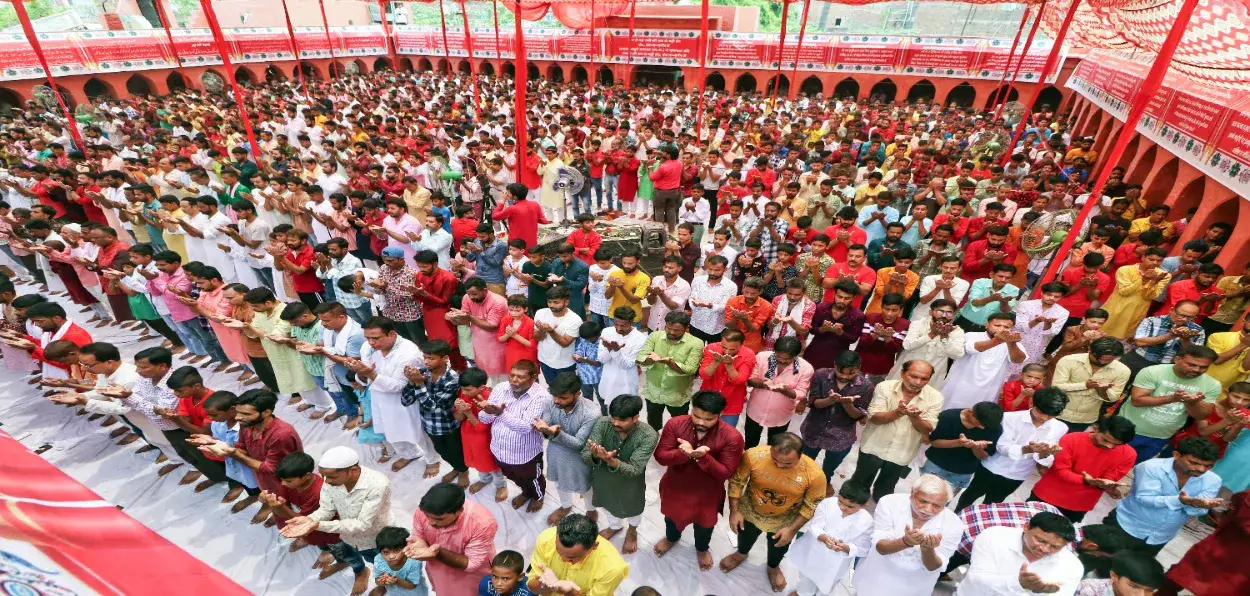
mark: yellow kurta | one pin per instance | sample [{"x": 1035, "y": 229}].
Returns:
[
  {"x": 1130, "y": 301},
  {"x": 175, "y": 238},
  {"x": 1232, "y": 371},
  {"x": 549, "y": 196}
]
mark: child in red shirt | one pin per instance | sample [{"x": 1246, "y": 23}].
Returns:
[
  {"x": 516, "y": 332},
  {"x": 1017, "y": 395},
  {"x": 801, "y": 233},
  {"x": 585, "y": 240},
  {"x": 475, "y": 434},
  {"x": 1230, "y": 416},
  {"x": 463, "y": 225}
]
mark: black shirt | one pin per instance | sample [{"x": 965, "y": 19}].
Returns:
[
  {"x": 1118, "y": 226},
  {"x": 958, "y": 460}
]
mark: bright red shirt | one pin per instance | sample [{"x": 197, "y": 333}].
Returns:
[
  {"x": 308, "y": 280},
  {"x": 735, "y": 391},
  {"x": 974, "y": 269},
  {"x": 667, "y": 176},
  {"x": 596, "y": 164},
  {"x": 523, "y": 218},
  {"x": 1187, "y": 289},
  {"x": 767, "y": 176},
  {"x": 585, "y": 244},
  {"x": 837, "y": 249},
  {"x": 1011, "y": 391},
  {"x": 960, "y": 224},
  {"x": 976, "y": 224},
  {"x": 1063, "y": 485},
  {"x": 863, "y": 275},
  {"x": 461, "y": 228},
  {"x": 1077, "y": 303}
]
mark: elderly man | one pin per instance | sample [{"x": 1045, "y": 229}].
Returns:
[
  {"x": 1158, "y": 339},
  {"x": 775, "y": 490},
  {"x": 901, "y": 415},
  {"x": 701, "y": 452},
  {"x": 515, "y": 442},
  {"x": 1029, "y": 560},
  {"x": 355, "y": 504},
  {"x": 913, "y": 537},
  {"x": 1091, "y": 380},
  {"x": 454, "y": 537}
]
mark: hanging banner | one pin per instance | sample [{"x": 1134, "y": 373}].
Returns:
[
  {"x": 866, "y": 53},
  {"x": 817, "y": 53},
  {"x": 196, "y": 47},
  {"x": 1229, "y": 163},
  {"x": 730, "y": 49},
  {"x": 259, "y": 44},
  {"x": 940, "y": 56},
  {"x": 653, "y": 46},
  {"x": 417, "y": 41},
  {"x": 117, "y": 51},
  {"x": 575, "y": 46},
  {"x": 993, "y": 56},
  {"x": 18, "y": 60},
  {"x": 358, "y": 40},
  {"x": 312, "y": 42},
  {"x": 483, "y": 41},
  {"x": 1196, "y": 117},
  {"x": 540, "y": 43}
]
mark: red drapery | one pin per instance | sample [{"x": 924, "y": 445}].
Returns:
[
  {"x": 468, "y": 44},
  {"x": 1149, "y": 87},
  {"x": 215, "y": 26},
  {"x": 520, "y": 111},
  {"x": 781, "y": 50},
  {"x": 494, "y": 8},
  {"x": 798, "y": 49},
  {"x": 1011, "y": 53},
  {"x": 299, "y": 67},
  {"x": 159, "y": 6},
  {"x": 702, "y": 82},
  {"x": 386, "y": 28},
  {"x": 630, "y": 79},
  {"x": 325, "y": 25},
  {"x": 442, "y": 18},
  {"x": 594, "y": 76},
  {"x": 530, "y": 10},
  {"x": 1051, "y": 61},
  {"x": 1024, "y": 53},
  {"x": 29, "y": 29}
]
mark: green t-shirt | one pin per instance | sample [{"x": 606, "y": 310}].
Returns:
[
  {"x": 537, "y": 294},
  {"x": 1161, "y": 422}
]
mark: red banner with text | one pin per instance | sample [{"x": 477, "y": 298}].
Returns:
[
  {"x": 669, "y": 48},
  {"x": 18, "y": 60}
]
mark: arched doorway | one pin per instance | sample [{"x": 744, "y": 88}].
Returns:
[
  {"x": 745, "y": 84},
  {"x": 9, "y": 101},
  {"x": 605, "y": 76},
  {"x": 1189, "y": 198},
  {"x": 963, "y": 95},
  {"x": 531, "y": 71},
  {"x": 243, "y": 76},
  {"x": 923, "y": 90},
  {"x": 508, "y": 70},
  {"x": 361, "y": 66},
  {"x": 1048, "y": 100},
  {"x": 578, "y": 74},
  {"x": 715, "y": 81},
  {"x": 213, "y": 81},
  {"x": 273, "y": 74},
  {"x": 1138, "y": 174},
  {"x": 847, "y": 87},
  {"x": 771, "y": 87},
  {"x": 1162, "y": 184},
  {"x": 139, "y": 85},
  {"x": 43, "y": 96},
  {"x": 1005, "y": 91},
  {"x": 405, "y": 64},
  {"x": 883, "y": 92},
  {"x": 555, "y": 74},
  {"x": 660, "y": 76},
  {"x": 310, "y": 70},
  {"x": 337, "y": 70},
  {"x": 812, "y": 86},
  {"x": 424, "y": 65},
  {"x": 96, "y": 89},
  {"x": 384, "y": 63},
  {"x": 444, "y": 66},
  {"x": 175, "y": 82},
  {"x": 464, "y": 67},
  {"x": 487, "y": 68}
]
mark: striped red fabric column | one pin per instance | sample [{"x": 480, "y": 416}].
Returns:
[
  {"x": 794, "y": 76},
  {"x": 522, "y": 81},
  {"x": 594, "y": 76},
  {"x": 299, "y": 65},
  {"x": 1149, "y": 86},
  {"x": 629, "y": 79},
  {"x": 1024, "y": 53},
  {"x": 29, "y": 29},
  {"x": 390, "y": 41},
  {"x": 1051, "y": 61},
  {"x": 702, "y": 82},
  {"x": 215, "y": 26},
  {"x": 325, "y": 24},
  {"x": 159, "y": 5},
  {"x": 494, "y": 7},
  {"x": 1011, "y": 53},
  {"x": 442, "y": 18},
  {"x": 468, "y": 44},
  {"x": 781, "y": 50}
]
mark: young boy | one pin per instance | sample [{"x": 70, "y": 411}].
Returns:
[
  {"x": 393, "y": 572},
  {"x": 507, "y": 570},
  {"x": 600, "y": 306},
  {"x": 1017, "y": 395},
  {"x": 837, "y": 534},
  {"x": 512, "y": 265},
  {"x": 464, "y": 225},
  {"x": 585, "y": 239},
  {"x": 535, "y": 273},
  {"x": 438, "y": 205},
  {"x": 224, "y": 428},
  {"x": 475, "y": 434},
  {"x": 589, "y": 369},
  {"x": 516, "y": 332}
]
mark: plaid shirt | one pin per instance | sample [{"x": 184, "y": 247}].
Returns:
[
  {"x": 590, "y": 374},
  {"x": 933, "y": 266},
  {"x": 1165, "y": 352},
  {"x": 437, "y": 399},
  {"x": 768, "y": 248},
  {"x": 1013, "y": 515}
]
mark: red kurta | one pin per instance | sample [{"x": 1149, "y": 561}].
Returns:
[
  {"x": 735, "y": 391},
  {"x": 693, "y": 490},
  {"x": 304, "y": 502},
  {"x": 513, "y": 350},
  {"x": 627, "y": 186},
  {"x": 1063, "y": 485},
  {"x": 475, "y": 440},
  {"x": 269, "y": 445},
  {"x": 522, "y": 218},
  {"x": 434, "y": 307},
  {"x": 1215, "y": 566}
]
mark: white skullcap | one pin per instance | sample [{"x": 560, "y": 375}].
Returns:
[
  {"x": 72, "y": 227},
  {"x": 339, "y": 458}
]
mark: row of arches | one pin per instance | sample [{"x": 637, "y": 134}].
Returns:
[{"x": 886, "y": 90}]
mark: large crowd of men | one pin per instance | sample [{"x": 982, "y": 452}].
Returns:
[{"x": 852, "y": 270}]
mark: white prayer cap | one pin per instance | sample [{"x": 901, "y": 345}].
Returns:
[
  {"x": 72, "y": 227},
  {"x": 339, "y": 458}
]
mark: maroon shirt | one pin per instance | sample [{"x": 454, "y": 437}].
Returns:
[
  {"x": 693, "y": 490},
  {"x": 269, "y": 445},
  {"x": 878, "y": 356},
  {"x": 304, "y": 502}
]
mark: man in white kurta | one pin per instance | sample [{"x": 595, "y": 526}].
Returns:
[
  {"x": 212, "y": 237},
  {"x": 387, "y": 354},
  {"x": 935, "y": 339},
  {"x": 979, "y": 374},
  {"x": 913, "y": 537},
  {"x": 1024, "y": 561},
  {"x": 619, "y": 346}
]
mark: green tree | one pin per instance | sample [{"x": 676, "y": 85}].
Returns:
[{"x": 37, "y": 9}]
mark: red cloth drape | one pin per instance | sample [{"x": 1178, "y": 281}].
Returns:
[
  {"x": 29, "y": 30},
  {"x": 702, "y": 83},
  {"x": 299, "y": 70},
  {"x": 781, "y": 50},
  {"x": 325, "y": 25},
  {"x": 530, "y": 10},
  {"x": 468, "y": 44},
  {"x": 1051, "y": 61},
  {"x": 630, "y": 79},
  {"x": 159, "y": 5},
  {"x": 522, "y": 81},
  {"x": 215, "y": 26},
  {"x": 798, "y": 49},
  {"x": 1011, "y": 53}
]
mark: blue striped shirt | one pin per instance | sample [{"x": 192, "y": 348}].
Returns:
[{"x": 590, "y": 374}]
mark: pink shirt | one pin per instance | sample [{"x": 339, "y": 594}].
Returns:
[
  {"x": 488, "y": 353},
  {"x": 402, "y": 226},
  {"x": 473, "y": 535},
  {"x": 178, "y": 311},
  {"x": 770, "y": 408},
  {"x": 215, "y": 302}
]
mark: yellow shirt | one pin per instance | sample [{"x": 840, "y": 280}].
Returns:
[
  {"x": 598, "y": 574},
  {"x": 771, "y": 497},
  {"x": 1232, "y": 371},
  {"x": 635, "y": 284},
  {"x": 866, "y": 194},
  {"x": 898, "y": 441},
  {"x": 1142, "y": 224}
]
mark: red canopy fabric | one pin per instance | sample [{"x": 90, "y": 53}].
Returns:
[
  {"x": 577, "y": 15},
  {"x": 530, "y": 10}
]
